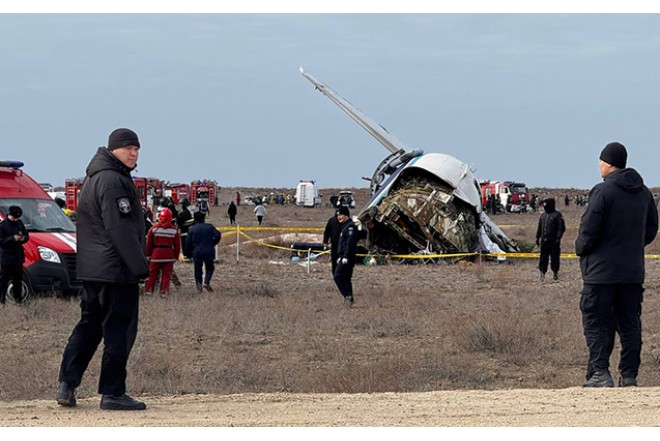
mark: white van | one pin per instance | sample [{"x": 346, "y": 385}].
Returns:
[{"x": 308, "y": 194}]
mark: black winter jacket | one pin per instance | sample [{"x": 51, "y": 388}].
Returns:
[
  {"x": 331, "y": 233},
  {"x": 110, "y": 224},
  {"x": 348, "y": 238},
  {"x": 184, "y": 220},
  {"x": 551, "y": 226},
  {"x": 11, "y": 251},
  {"x": 201, "y": 241},
  {"x": 620, "y": 220}
]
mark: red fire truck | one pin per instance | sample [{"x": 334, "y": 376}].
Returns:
[
  {"x": 204, "y": 190},
  {"x": 513, "y": 197},
  {"x": 177, "y": 192},
  {"x": 72, "y": 188},
  {"x": 148, "y": 189}
]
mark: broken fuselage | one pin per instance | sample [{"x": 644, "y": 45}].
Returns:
[{"x": 421, "y": 203}]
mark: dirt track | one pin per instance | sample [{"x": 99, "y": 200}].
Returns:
[
  {"x": 572, "y": 407},
  {"x": 563, "y": 407}
]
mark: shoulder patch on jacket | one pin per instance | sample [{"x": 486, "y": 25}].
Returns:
[{"x": 124, "y": 205}]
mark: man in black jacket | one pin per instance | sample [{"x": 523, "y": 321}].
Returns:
[
  {"x": 12, "y": 237},
  {"x": 550, "y": 230},
  {"x": 111, "y": 263},
  {"x": 620, "y": 220},
  {"x": 331, "y": 239},
  {"x": 346, "y": 249}
]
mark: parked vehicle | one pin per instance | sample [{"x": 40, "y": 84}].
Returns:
[
  {"x": 346, "y": 199},
  {"x": 177, "y": 192},
  {"x": 308, "y": 194},
  {"x": 512, "y": 197},
  {"x": 50, "y": 254},
  {"x": 206, "y": 190}
]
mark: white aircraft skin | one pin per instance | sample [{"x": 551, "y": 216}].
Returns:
[{"x": 447, "y": 168}]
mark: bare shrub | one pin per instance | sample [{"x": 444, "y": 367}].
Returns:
[{"x": 277, "y": 327}]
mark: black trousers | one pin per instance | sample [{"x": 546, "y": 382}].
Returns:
[
  {"x": 12, "y": 272},
  {"x": 109, "y": 312},
  {"x": 609, "y": 309},
  {"x": 333, "y": 259},
  {"x": 343, "y": 275},
  {"x": 549, "y": 251},
  {"x": 200, "y": 277},
  {"x": 184, "y": 249}
]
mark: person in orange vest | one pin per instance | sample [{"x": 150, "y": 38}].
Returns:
[{"x": 163, "y": 248}]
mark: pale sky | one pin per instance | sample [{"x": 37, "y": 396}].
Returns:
[{"x": 525, "y": 97}]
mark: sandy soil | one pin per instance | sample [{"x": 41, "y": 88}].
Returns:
[
  {"x": 572, "y": 407},
  {"x": 569, "y": 407}
]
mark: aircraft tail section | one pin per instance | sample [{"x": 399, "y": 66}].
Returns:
[{"x": 379, "y": 132}]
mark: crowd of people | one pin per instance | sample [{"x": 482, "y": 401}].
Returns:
[{"x": 119, "y": 247}]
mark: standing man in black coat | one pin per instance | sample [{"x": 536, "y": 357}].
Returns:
[
  {"x": 12, "y": 237},
  {"x": 331, "y": 239},
  {"x": 201, "y": 241},
  {"x": 111, "y": 263},
  {"x": 619, "y": 221},
  {"x": 548, "y": 237},
  {"x": 346, "y": 249}
]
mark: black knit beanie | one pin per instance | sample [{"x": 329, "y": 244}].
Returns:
[
  {"x": 15, "y": 211},
  {"x": 615, "y": 154},
  {"x": 122, "y": 138},
  {"x": 343, "y": 210}
]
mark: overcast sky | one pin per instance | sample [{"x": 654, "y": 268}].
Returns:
[{"x": 526, "y": 97}]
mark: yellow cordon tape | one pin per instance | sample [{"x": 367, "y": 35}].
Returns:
[
  {"x": 270, "y": 228},
  {"x": 389, "y": 256}
]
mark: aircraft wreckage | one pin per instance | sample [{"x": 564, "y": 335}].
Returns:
[{"x": 421, "y": 203}]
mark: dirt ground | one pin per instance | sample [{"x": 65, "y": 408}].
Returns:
[
  {"x": 572, "y": 407},
  {"x": 511, "y": 407}
]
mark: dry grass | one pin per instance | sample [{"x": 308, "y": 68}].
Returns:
[{"x": 275, "y": 327}]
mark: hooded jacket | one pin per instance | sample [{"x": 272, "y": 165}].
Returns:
[
  {"x": 110, "y": 224},
  {"x": 620, "y": 220},
  {"x": 231, "y": 211},
  {"x": 551, "y": 226}
]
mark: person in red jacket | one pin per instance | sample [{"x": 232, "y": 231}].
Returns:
[{"x": 163, "y": 248}]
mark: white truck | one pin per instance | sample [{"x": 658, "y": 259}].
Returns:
[{"x": 308, "y": 194}]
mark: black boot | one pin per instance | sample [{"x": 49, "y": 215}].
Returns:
[
  {"x": 600, "y": 379},
  {"x": 66, "y": 395},
  {"x": 627, "y": 381},
  {"x": 123, "y": 402}
]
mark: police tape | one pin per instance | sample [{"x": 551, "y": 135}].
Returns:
[
  {"x": 422, "y": 256},
  {"x": 230, "y": 228},
  {"x": 277, "y": 247}
]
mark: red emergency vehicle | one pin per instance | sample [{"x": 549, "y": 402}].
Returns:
[
  {"x": 148, "y": 189},
  {"x": 50, "y": 254},
  {"x": 71, "y": 190},
  {"x": 177, "y": 192},
  {"x": 510, "y": 196},
  {"x": 204, "y": 190},
  {"x": 520, "y": 196}
]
